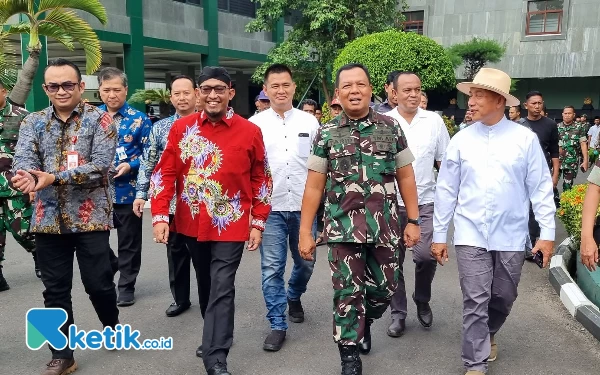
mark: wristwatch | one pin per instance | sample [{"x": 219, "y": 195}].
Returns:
[{"x": 416, "y": 221}]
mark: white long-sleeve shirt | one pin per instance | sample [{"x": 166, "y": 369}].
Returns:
[
  {"x": 488, "y": 176},
  {"x": 288, "y": 141}
]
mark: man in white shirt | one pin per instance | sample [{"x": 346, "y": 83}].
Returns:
[
  {"x": 428, "y": 137},
  {"x": 593, "y": 133},
  {"x": 489, "y": 174},
  {"x": 288, "y": 134}
]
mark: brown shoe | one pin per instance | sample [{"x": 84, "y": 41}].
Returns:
[
  {"x": 60, "y": 367},
  {"x": 473, "y": 372},
  {"x": 493, "y": 350}
]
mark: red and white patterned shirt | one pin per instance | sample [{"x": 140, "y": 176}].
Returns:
[{"x": 220, "y": 173}]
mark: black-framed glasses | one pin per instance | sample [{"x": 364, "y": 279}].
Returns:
[
  {"x": 220, "y": 90},
  {"x": 67, "y": 86}
]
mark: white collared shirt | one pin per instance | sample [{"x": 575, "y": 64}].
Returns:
[
  {"x": 288, "y": 142},
  {"x": 428, "y": 138},
  {"x": 593, "y": 133},
  {"x": 488, "y": 176}
]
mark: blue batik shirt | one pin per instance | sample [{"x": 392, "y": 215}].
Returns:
[
  {"x": 157, "y": 144},
  {"x": 133, "y": 129}
]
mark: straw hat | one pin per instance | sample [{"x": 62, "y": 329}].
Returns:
[{"x": 493, "y": 80}]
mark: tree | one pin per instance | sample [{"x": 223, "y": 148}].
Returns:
[
  {"x": 323, "y": 29},
  {"x": 148, "y": 96},
  {"x": 475, "y": 54},
  {"x": 395, "y": 50},
  {"x": 54, "y": 19},
  {"x": 8, "y": 67}
]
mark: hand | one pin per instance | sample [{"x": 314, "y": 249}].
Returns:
[
  {"x": 44, "y": 179},
  {"x": 546, "y": 247},
  {"x": 440, "y": 252},
  {"x": 589, "y": 253},
  {"x": 412, "y": 234},
  {"x": 31, "y": 197},
  {"x": 122, "y": 169},
  {"x": 255, "y": 239},
  {"x": 161, "y": 233},
  {"x": 23, "y": 181},
  {"x": 555, "y": 180},
  {"x": 138, "y": 207},
  {"x": 584, "y": 165},
  {"x": 307, "y": 246}
]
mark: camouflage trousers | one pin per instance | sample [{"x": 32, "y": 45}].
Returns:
[
  {"x": 15, "y": 217},
  {"x": 364, "y": 277},
  {"x": 568, "y": 175}
]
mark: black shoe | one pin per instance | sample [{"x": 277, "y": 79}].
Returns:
[
  {"x": 396, "y": 329},
  {"x": 125, "y": 303},
  {"x": 176, "y": 309},
  {"x": 351, "y": 363},
  {"x": 365, "y": 345},
  {"x": 38, "y": 273},
  {"x": 218, "y": 369},
  {"x": 199, "y": 352},
  {"x": 274, "y": 341},
  {"x": 3, "y": 284},
  {"x": 295, "y": 311},
  {"x": 424, "y": 313}
]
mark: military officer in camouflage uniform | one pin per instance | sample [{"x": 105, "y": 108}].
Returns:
[
  {"x": 572, "y": 140},
  {"x": 15, "y": 207},
  {"x": 356, "y": 158}
]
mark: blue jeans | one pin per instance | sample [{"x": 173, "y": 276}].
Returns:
[{"x": 282, "y": 226}]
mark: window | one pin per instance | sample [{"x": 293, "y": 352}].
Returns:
[
  {"x": 413, "y": 22},
  {"x": 193, "y": 2},
  {"x": 242, "y": 7},
  {"x": 544, "y": 17}
]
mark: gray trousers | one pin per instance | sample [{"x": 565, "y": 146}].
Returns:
[
  {"x": 489, "y": 281},
  {"x": 425, "y": 264}
]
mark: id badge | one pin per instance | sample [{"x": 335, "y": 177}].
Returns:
[
  {"x": 303, "y": 145},
  {"x": 121, "y": 154},
  {"x": 72, "y": 160}
]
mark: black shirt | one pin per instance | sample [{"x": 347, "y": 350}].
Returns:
[{"x": 547, "y": 133}]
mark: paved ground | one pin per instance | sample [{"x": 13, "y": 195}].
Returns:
[{"x": 540, "y": 337}]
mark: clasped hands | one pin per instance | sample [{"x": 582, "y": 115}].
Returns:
[{"x": 32, "y": 180}]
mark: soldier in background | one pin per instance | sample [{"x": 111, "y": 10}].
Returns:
[
  {"x": 335, "y": 109},
  {"x": 390, "y": 101},
  {"x": 572, "y": 140},
  {"x": 15, "y": 207},
  {"x": 357, "y": 158}
]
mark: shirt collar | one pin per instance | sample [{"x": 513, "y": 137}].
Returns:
[
  {"x": 497, "y": 125},
  {"x": 122, "y": 111},
  {"x": 286, "y": 114},
  {"x": 78, "y": 110},
  {"x": 373, "y": 116},
  {"x": 227, "y": 119},
  {"x": 7, "y": 110}
]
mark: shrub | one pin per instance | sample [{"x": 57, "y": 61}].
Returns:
[
  {"x": 570, "y": 212},
  {"x": 395, "y": 50}
]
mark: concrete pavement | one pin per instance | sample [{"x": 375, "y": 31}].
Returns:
[{"x": 540, "y": 337}]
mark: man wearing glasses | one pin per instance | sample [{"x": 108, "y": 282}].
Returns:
[
  {"x": 215, "y": 162},
  {"x": 63, "y": 154},
  {"x": 134, "y": 128}
]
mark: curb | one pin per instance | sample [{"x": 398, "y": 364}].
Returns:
[{"x": 581, "y": 308}]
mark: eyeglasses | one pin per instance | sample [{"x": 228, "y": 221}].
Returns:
[
  {"x": 220, "y": 90},
  {"x": 67, "y": 86}
]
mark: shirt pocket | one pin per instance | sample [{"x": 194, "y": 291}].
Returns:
[
  {"x": 342, "y": 162},
  {"x": 384, "y": 158}
]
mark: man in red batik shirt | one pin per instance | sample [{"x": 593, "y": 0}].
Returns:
[{"x": 216, "y": 161}]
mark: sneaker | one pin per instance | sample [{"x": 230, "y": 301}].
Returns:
[
  {"x": 493, "y": 350},
  {"x": 295, "y": 311},
  {"x": 60, "y": 367},
  {"x": 274, "y": 341}
]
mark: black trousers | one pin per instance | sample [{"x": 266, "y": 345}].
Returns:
[
  {"x": 534, "y": 227},
  {"x": 201, "y": 261},
  {"x": 55, "y": 258},
  {"x": 219, "y": 260},
  {"x": 129, "y": 233}
]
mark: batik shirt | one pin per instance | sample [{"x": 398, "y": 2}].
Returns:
[
  {"x": 10, "y": 120},
  {"x": 156, "y": 146},
  {"x": 220, "y": 173},
  {"x": 80, "y": 199},
  {"x": 360, "y": 158},
  {"x": 134, "y": 130}
]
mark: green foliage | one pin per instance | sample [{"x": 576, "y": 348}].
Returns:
[
  {"x": 450, "y": 126},
  {"x": 570, "y": 212},
  {"x": 475, "y": 54},
  {"x": 151, "y": 96},
  {"x": 395, "y": 50},
  {"x": 326, "y": 117},
  {"x": 323, "y": 30},
  {"x": 8, "y": 66}
]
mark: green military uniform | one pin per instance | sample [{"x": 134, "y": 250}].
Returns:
[
  {"x": 569, "y": 140},
  {"x": 15, "y": 207},
  {"x": 362, "y": 228}
]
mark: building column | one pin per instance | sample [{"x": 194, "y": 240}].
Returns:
[
  {"x": 133, "y": 53},
  {"x": 37, "y": 99},
  {"x": 211, "y": 25},
  {"x": 278, "y": 31}
]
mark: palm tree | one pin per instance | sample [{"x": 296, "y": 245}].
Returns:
[
  {"x": 149, "y": 96},
  {"x": 54, "y": 19}
]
